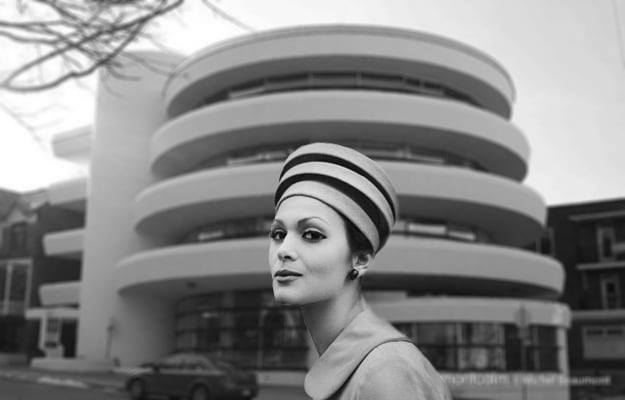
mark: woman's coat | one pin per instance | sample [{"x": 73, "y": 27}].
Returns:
[{"x": 371, "y": 360}]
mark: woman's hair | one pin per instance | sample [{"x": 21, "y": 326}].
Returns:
[{"x": 357, "y": 241}]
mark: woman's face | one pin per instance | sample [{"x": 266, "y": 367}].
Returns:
[{"x": 309, "y": 239}]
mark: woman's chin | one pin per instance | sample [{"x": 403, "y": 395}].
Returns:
[{"x": 282, "y": 297}]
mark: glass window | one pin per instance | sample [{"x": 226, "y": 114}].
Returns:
[
  {"x": 604, "y": 342},
  {"x": 246, "y": 328},
  {"x": 427, "y": 229},
  {"x": 437, "y": 341},
  {"x": 186, "y": 341},
  {"x": 610, "y": 290},
  {"x": 605, "y": 241},
  {"x": 19, "y": 238},
  {"x": 484, "y": 346},
  {"x": 587, "y": 247},
  {"x": 19, "y": 282},
  {"x": 3, "y": 281}
]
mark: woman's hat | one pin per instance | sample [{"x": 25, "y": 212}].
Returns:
[{"x": 346, "y": 180}]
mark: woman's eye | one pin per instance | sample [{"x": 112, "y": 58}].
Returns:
[
  {"x": 276, "y": 234},
  {"x": 312, "y": 235}
]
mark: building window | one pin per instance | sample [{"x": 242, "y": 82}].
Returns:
[
  {"x": 15, "y": 279},
  {"x": 484, "y": 346},
  {"x": 610, "y": 290},
  {"x": 604, "y": 342},
  {"x": 547, "y": 242},
  {"x": 19, "y": 239},
  {"x": 605, "y": 243},
  {"x": 392, "y": 151},
  {"x": 357, "y": 80},
  {"x": 244, "y": 327}
]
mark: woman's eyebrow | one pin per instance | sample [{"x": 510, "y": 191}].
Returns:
[
  {"x": 305, "y": 220},
  {"x": 278, "y": 222}
]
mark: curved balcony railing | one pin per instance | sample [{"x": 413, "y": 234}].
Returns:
[
  {"x": 254, "y": 227},
  {"x": 382, "y": 55},
  {"x": 173, "y": 207},
  {"x": 425, "y": 265},
  {"x": 410, "y": 128},
  {"x": 346, "y": 80},
  {"x": 381, "y": 151}
]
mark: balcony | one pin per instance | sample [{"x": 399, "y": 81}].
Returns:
[
  {"x": 615, "y": 314},
  {"x": 339, "y": 48},
  {"x": 60, "y": 294},
  {"x": 65, "y": 244},
  {"x": 334, "y": 115},
  {"x": 74, "y": 145},
  {"x": 173, "y": 207},
  {"x": 424, "y": 265},
  {"x": 71, "y": 194}
]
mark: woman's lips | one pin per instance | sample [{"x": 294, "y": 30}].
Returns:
[
  {"x": 284, "y": 275},
  {"x": 287, "y": 278},
  {"x": 286, "y": 272}
]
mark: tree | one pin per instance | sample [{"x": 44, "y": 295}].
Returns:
[{"x": 73, "y": 38}]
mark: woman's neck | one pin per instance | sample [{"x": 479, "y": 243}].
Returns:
[{"x": 326, "y": 319}]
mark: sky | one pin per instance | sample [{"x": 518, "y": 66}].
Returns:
[{"x": 566, "y": 58}]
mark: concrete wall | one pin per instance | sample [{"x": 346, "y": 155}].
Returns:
[{"x": 130, "y": 328}]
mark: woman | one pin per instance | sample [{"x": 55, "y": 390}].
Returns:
[{"x": 335, "y": 209}]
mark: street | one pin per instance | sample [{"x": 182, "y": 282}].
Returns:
[{"x": 20, "y": 390}]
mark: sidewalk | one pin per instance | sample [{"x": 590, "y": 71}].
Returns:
[
  {"x": 113, "y": 382},
  {"x": 105, "y": 381}
]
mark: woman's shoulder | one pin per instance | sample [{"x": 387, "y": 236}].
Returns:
[
  {"x": 398, "y": 370},
  {"x": 401, "y": 355}
]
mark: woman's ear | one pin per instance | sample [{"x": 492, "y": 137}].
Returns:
[{"x": 361, "y": 261}]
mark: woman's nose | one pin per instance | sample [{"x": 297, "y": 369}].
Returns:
[
  {"x": 286, "y": 250},
  {"x": 285, "y": 254}
]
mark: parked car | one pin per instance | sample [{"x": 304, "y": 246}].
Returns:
[{"x": 194, "y": 376}]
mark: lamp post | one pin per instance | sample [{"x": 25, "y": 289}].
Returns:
[{"x": 111, "y": 329}]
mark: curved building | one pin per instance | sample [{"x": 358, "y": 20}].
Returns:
[{"x": 183, "y": 170}]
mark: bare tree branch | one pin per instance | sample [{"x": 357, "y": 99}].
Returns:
[
  {"x": 81, "y": 37},
  {"x": 221, "y": 13}
]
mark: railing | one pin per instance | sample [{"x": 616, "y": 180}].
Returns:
[
  {"x": 398, "y": 152},
  {"x": 256, "y": 227},
  {"x": 345, "y": 80}
]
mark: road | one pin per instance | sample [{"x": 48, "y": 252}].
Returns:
[{"x": 18, "y": 390}]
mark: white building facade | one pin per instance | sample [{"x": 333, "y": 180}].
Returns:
[{"x": 182, "y": 173}]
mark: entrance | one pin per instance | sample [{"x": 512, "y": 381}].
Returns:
[{"x": 68, "y": 338}]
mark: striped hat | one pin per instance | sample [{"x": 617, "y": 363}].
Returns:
[{"x": 346, "y": 180}]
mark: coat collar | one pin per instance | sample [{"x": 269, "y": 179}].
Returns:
[{"x": 345, "y": 353}]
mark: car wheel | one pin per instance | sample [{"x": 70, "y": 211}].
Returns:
[
  {"x": 200, "y": 393},
  {"x": 136, "y": 389}
]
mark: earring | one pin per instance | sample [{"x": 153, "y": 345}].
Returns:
[{"x": 353, "y": 274}]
